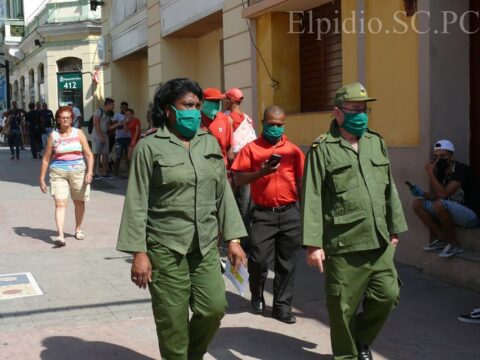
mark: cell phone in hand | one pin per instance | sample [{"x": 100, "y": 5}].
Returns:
[
  {"x": 274, "y": 160},
  {"x": 409, "y": 184}
]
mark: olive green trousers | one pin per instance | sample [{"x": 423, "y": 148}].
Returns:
[
  {"x": 180, "y": 282},
  {"x": 350, "y": 278}
]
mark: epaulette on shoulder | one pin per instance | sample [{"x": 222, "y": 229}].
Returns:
[
  {"x": 148, "y": 132},
  {"x": 319, "y": 140},
  {"x": 374, "y": 133}
]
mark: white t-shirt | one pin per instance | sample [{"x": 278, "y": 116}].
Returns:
[
  {"x": 104, "y": 119},
  {"x": 120, "y": 132},
  {"x": 76, "y": 114}
]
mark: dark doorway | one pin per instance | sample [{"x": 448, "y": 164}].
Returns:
[{"x": 475, "y": 88}]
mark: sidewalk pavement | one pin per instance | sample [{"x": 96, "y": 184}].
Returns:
[{"x": 90, "y": 309}]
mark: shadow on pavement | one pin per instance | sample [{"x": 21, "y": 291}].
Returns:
[
  {"x": 26, "y": 172},
  {"x": 127, "y": 258},
  {"x": 261, "y": 344},
  {"x": 39, "y": 234},
  {"x": 72, "y": 348}
]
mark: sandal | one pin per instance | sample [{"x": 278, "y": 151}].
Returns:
[
  {"x": 59, "y": 242},
  {"x": 79, "y": 235}
]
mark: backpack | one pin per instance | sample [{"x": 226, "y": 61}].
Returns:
[{"x": 90, "y": 122}]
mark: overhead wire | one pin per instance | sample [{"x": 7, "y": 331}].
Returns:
[{"x": 274, "y": 83}]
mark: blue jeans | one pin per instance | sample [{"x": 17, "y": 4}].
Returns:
[
  {"x": 461, "y": 215},
  {"x": 121, "y": 147}
]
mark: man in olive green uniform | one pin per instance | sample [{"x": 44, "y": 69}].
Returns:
[
  {"x": 351, "y": 217},
  {"x": 177, "y": 200}
]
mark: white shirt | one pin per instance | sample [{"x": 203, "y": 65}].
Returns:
[{"x": 76, "y": 115}]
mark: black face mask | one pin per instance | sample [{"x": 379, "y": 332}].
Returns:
[{"x": 442, "y": 165}]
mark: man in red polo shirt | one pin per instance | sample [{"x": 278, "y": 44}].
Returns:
[
  {"x": 275, "y": 189},
  {"x": 217, "y": 123}
]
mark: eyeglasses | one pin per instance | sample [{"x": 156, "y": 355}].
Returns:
[{"x": 357, "y": 111}]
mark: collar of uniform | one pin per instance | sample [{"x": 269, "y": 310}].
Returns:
[
  {"x": 267, "y": 143},
  {"x": 206, "y": 121},
  {"x": 367, "y": 134},
  {"x": 334, "y": 133},
  {"x": 164, "y": 132}
]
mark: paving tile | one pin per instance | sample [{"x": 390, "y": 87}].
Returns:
[{"x": 91, "y": 308}]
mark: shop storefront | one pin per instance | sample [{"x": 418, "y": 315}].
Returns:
[{"x": 70, "y": 89}]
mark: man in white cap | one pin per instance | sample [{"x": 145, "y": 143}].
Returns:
[{"x": 453, "y": 200}]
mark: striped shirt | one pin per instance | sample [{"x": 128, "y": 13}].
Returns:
[{"x": 67, "y": 152}]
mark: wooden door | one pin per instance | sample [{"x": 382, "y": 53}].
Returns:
[{"x": 475, "y": 89}]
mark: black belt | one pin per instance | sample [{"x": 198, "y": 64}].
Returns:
[{"x": 275, "y": 209}]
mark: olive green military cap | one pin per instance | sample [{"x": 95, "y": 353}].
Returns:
[{"x": 352, "y": 92}]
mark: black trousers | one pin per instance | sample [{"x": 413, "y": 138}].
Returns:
[
  {"x": 244, "y": 203},
  {"x": 35, "y": 143},
  {"x": 274, "y": 236},
  {"x": 14, "y": 143}
]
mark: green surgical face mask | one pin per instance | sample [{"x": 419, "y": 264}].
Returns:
[
  {"x": 272, "y": 133},
  {"x": 188, "y": 122},
  {"x": 355, "y": 124},
  {"x": 211, "y": 108}
]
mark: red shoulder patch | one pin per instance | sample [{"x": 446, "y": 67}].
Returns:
[{"x": 148, "y": 132}]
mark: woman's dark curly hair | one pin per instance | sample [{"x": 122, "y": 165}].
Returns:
[{"x": 168, "y": 93}]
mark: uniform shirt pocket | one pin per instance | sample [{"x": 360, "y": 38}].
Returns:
[
  {"x": 343, "y": 177},
  {"x": 211, "y": 167},
  {"x": 212, "y": 164},
  {"x": 168, "y": 170},
  {"x": 381, "y": 170},
  {"x": 349, "y": 218}
]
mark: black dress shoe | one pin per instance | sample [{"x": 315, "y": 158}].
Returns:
[
  {"x": 287, "y": 318},
  {"x": 364, "y": 352},
  {"x": 258, "y": 306}
]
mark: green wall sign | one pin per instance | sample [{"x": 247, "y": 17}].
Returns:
[
  {"x": 70, "y": 81},
  {"x": 17, "y": 30}
]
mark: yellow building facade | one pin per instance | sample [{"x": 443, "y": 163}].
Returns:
[
  {"x": 279, "y": 52},
  {"x": 158, "y": 40},
  {"x": 57, "y": 58}
]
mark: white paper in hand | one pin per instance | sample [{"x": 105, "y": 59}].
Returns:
[{"x": 238, "y": 278}]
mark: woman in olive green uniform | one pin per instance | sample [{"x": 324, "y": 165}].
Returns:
[{"x": 178, "y": 199}]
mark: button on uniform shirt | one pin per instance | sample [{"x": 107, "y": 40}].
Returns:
[
  {"x": 350, "y": 201},
  {"x": 176, "y": 194},
  {"x": 278, "y": 188},
  {"x": 221, "y": 128}
]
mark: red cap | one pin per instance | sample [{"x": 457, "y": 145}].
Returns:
[
  {"x": 234, "y": 94},
  {"x": 213, "y": 94}
]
